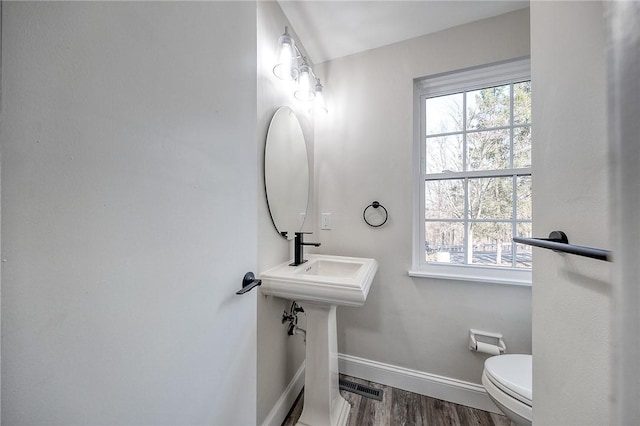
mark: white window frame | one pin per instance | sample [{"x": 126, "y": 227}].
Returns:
[{"x": 439, "y": 85}]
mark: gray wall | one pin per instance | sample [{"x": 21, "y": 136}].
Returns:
[
  {"x": 279, "y": 355},
  {"x": 364, "y": 152},
  {"x": 126, "y": 129},
  {"x": 571, "y": 295}
]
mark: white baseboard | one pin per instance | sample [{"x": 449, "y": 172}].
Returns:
[
  {"x": 280, "y": 410},
  {"x": 445, "y": 388}
]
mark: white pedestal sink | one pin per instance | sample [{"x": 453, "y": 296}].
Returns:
[{"x": 320, "y": 285}]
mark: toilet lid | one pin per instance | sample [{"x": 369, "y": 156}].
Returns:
[{"x": 513, "y": 374}]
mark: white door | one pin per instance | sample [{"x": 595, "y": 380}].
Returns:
[
  {"x": 571, "y": 294},
  {"x": 624, "y": 85},
  {"x": 129, "y": 182}
]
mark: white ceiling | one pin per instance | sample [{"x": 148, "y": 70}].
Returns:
[{"x": 331, "y": 29}]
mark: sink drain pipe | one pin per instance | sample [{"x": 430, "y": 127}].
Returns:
[{"x": 294, "y": 329}]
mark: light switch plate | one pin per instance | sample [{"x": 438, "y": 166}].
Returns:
[{"x": 325, "y": 222}]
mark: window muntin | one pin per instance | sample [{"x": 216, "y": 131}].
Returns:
[{"x": 475, "y": 146}]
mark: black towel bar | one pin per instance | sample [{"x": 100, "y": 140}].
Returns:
[{"x": 558, "y": 241}]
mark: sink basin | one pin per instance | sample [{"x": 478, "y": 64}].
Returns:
[
  {"x": 334, "y": 280},
  {"x": 330, "y": 268}
]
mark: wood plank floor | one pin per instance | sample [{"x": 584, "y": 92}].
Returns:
[{"x": 400, "y": 408}]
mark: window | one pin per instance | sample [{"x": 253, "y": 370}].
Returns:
[{"x": 473, "y": 180}]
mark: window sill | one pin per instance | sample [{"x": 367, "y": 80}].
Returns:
[{"x": 474, "y": 274}]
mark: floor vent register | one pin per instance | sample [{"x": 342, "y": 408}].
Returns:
[{"x": 361, "y": 390}]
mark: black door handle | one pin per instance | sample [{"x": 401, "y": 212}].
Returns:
[
  {"x": 248, "y": 283},
  {"x": 558, "y": 241}
]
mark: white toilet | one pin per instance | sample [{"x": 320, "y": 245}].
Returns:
[{"x": 508, "y": 381}]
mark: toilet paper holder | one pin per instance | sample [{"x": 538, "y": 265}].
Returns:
[{"x": 489, "y": 343}]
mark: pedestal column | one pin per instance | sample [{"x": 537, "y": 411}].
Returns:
[{"x": 323, "y": 404}]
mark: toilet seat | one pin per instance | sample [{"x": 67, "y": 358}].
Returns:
[
  {"x": 508, "y": 381},
  {"x": 512, "y": 374}
]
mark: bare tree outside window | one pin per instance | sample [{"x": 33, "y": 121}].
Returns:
[{"x": 478, "y": 176}]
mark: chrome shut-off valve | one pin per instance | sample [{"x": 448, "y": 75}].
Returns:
[{"x": 292, "y": 318}]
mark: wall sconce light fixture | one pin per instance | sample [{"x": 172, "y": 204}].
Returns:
[
  {"x": 308, "y": 87},
  {"x": 318, "y": 100},
  {"x": 287, "y": 66}
]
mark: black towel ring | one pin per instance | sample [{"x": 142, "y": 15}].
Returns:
[{"x": 375, "y": 205}]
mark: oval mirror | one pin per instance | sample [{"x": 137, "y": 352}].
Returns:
[{"x": 286, "y": 172}]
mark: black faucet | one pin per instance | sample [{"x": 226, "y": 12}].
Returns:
[{"x": 298, "y": 243}]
